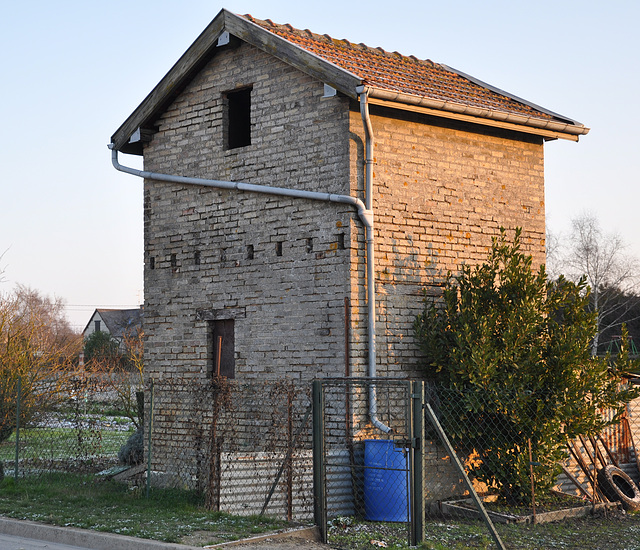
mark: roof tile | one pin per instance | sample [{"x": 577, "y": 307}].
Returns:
[{"x": 398, "y": 73}]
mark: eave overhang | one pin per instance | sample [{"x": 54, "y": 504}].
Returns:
[{"x": 548, "y": 129}]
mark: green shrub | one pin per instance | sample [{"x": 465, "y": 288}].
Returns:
[{"x": 513, "y": 350}]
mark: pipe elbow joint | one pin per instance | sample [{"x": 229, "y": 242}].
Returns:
[
  {"x": 382, "y": 427},
  {"x": 366, "y": 216}
]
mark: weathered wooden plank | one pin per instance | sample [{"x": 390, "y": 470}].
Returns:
[
  {"x": 202, "y": 50},
  {"x": 173, "y": 82},
  {"x": 633, "y": 444},
  {"x": 575, "y": 481}
]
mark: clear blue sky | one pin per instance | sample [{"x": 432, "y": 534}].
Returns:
[{"x": 73, "y": 71}]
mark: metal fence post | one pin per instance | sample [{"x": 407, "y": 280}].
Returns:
[
  {"x": 149, "y": 439},
  {"x": 319, "y": 494},
  {"x": 417, "y": 463},
  {"x": 18, "y": 399},
  {"x": 454, "y": 458}
]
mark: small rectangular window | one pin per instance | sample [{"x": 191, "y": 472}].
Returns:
[
  {"x": 222, "y": 348},
  {"x": 96, "y": 326},
  {"x": 238, "y": 118}
]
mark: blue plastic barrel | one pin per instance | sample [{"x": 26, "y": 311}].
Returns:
[{"x": 385, "y": 481}]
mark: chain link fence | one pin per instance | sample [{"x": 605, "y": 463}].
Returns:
[
  {"x": 363, "y": 430},
  {"x": 522, "y": 466},
  {"x": 246, "y": 446},
  {"x": 453, "y": 455},
  {"x": 419, "y": 456},
  {"x": 76, "y": 424}
]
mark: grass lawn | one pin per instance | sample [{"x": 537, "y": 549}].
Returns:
[
  {"x": 613, "y": 531},
  {"x": 60, "y": 443},
  {"x": 89, "y": 502}
]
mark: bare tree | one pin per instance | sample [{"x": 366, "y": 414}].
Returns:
[
  {"x": 51, "y": 315},
  {"x": 553, "y": 253},
  {"x": 609, "y": 270},
  {"x": 37, "y": 348},
  {"x": 121, "y": 370},
  {"x": 2, "y": 268}
]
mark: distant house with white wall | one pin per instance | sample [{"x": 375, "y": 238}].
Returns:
[{"x": 117, "y": 322}]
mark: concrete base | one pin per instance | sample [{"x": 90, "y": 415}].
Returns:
[
  {"x": 460, "y": 508},
  {"x": 308, "y": 533}
]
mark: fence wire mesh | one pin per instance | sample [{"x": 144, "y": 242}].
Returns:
[
  {"x": 245, "y": 445},
  {"x": 247, "y": 448},
  {"x": 366, "y": 439},
  {"x": 519, "y": 460},
  {"x": 77, "y": 424},
  {"x": 496, "y": 457}
]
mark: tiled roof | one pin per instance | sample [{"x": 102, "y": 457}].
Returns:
[
  {"x": 389, "y": 78},
  {"x": 399, "y": 73}
]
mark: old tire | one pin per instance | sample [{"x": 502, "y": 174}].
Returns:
[{"x": 617, "y": 486}]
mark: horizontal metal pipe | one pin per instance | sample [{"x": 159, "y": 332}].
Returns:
[{"x": 364, "y": 214}]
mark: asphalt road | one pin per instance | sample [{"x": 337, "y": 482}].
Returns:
[
  {"x": 29, "y": 535},
  {"x": 8, "y": 542}
]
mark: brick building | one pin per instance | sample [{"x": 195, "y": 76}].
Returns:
[
  {"x": 251, "y": 101},
  {"x": 362, "y": 156}
]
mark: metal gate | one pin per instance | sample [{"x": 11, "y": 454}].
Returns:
[{"x": 362, "y": 472}]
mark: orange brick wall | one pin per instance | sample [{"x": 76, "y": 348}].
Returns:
[{"x": 441, "y": 192}]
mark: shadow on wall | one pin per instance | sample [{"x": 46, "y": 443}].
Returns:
[{"x": 410, "y": 275}]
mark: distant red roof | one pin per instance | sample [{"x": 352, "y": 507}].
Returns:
[{"x": 399, "y": 73}]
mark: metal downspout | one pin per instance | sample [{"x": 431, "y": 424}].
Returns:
[
  {"x": 370, "y": 253},
  {"x": 364, "y": 213}
]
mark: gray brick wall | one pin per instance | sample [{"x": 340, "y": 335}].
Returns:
[{"x": 288, "y": 309}]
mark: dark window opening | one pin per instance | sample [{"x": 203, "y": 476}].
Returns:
[
  {"x": 238, "y": 118},
  {"x": 174, "y": 261},
  {"x": 196, "y": 258},
  {"x": 152, "y": 262},
  {"x": 309, "y": 245},
  {"x": 96, "y": 326},
  {"x": 279, "y": 248},
  {"x": 221, "y": 348},
  {"x": 250, "y": 252},
  {"x": 223, "y": 254},
  {"x": 340, "y": 241}
]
